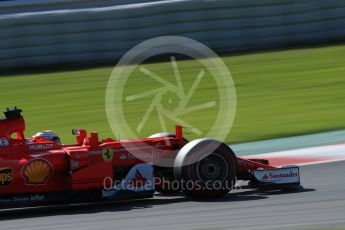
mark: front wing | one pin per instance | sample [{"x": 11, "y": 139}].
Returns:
[{"x": 285, "y": 177}]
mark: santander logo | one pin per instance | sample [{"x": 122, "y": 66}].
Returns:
[
  {"x": 265, "y": 177},
  {"x": 279, "y": 175}
]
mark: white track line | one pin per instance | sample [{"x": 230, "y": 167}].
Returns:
[{"x": 327, "y": 154}]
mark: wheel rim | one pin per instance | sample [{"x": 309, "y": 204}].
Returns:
[{"x": 212, "y": 168}]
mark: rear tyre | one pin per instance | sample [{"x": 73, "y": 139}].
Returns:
[
  {"x": 163, "y": 134},
  {"x": 206, "y": 168}
]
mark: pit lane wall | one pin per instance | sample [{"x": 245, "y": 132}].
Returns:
[{"x": 104, "y": 34}]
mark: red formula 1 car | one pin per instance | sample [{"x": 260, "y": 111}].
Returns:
[{"x": 35, "y": 170}]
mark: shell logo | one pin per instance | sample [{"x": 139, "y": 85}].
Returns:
[{"x": 37, "y": 172}]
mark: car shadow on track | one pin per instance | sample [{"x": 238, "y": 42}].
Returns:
[
  {"x": 256, "y": 194},
  {"x": 118, "y": 206},
  {"x": 280, "y": 192}
]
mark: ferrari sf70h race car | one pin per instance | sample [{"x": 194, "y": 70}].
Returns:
[{"x": 39, "y": 170}]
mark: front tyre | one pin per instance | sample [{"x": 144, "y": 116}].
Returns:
[{"x": 207, "y": 169}]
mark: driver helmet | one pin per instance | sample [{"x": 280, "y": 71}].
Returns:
[{"x": 47, "y": 135}]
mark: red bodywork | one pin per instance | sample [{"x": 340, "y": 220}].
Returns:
[{"x": 29, "y": 166}]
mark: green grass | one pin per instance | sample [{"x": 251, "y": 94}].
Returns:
[{"x": 280, "y": 93}]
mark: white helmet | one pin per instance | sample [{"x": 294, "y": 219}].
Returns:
[{"x": 48, "y": 135}]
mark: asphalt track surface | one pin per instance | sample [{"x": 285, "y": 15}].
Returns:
[{"x": 320, "y": 205}]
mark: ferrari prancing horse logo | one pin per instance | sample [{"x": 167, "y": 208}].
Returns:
[{"x": 107, "y": 154}]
